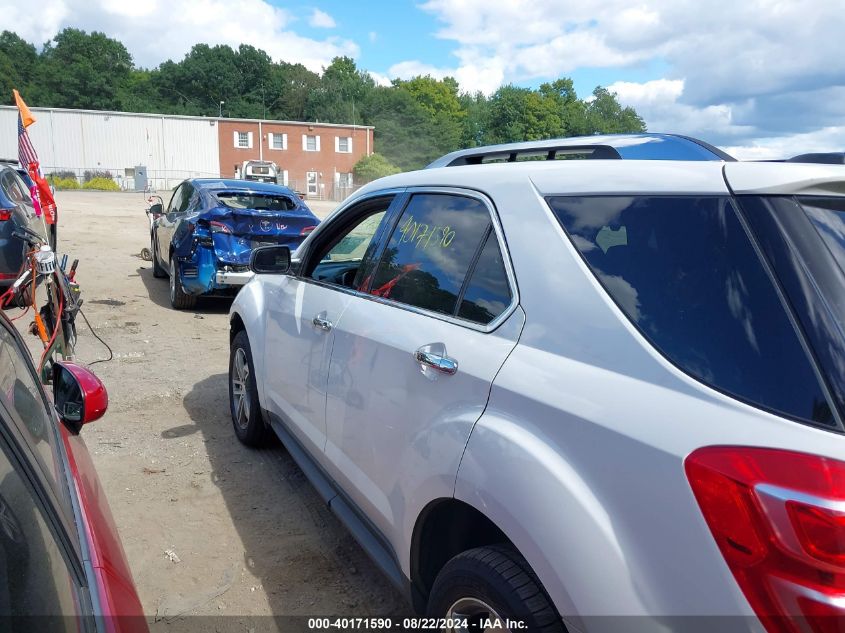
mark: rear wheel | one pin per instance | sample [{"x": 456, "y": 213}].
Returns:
[
  {"x": 243, "y": 395},
  {"x": 158, "y": 269},
  {"x": 179, "y": 299},
  {"x": 490, "y": 584}
]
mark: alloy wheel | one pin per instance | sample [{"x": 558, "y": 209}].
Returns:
[
  {"x": 240, "y": 388},
  {"x": 477, "y": 615}
]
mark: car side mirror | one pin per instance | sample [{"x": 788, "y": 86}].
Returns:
[
  {"x": 78, "y": 395},
  {"x": 155, "y": 209},
  {"x": 270, "y": 260}
]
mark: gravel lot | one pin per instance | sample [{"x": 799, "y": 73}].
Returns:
[{"x": 209, "y": 526}]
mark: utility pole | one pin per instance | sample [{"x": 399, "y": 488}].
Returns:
[{"x": 220, "y": 111}]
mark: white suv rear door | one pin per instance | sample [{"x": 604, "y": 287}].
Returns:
[{"x": 415, "y": 353}]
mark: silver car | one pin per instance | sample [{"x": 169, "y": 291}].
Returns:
[{"x": 556, "y": 393}]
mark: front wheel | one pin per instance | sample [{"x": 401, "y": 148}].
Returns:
[
  {"x": 492, "y": 585},
  {"x": 243, "y": 394},
  {"x": 158, "y": 269},
  {"x": 179, "y": 299}
]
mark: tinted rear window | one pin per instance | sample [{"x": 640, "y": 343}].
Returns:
[
  {"x": 685, "y": 273},
  {"x": 257, "y": 201},
  {"x": 828, "y": 216}
]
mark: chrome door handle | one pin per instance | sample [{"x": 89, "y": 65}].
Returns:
[
  {"x": 443, "y": 364},
  {"x": 322, "y": 324}
]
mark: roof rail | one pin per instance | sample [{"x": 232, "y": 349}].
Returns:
[{"x": 608, "y": 146}]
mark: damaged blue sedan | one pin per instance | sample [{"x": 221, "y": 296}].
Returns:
[{"x": 204, "y": 237}]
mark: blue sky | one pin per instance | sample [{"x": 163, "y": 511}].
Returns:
[
  {"x": 759, "y": 78},
  {"x": 401, "y": 31}
]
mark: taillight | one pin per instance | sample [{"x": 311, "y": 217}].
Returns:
[
  {"x": 778, "y": 518},
  {"x": 5, "y": 214},
  {"x": 307, "y": 229},
  {"x": 219, "y": 227}
]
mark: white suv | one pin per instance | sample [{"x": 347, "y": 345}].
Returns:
[{"x": 552, "y": 391}]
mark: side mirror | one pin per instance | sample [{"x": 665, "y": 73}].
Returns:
[
  {"x": 270, "y": 260},
  {"x": 155, "y": 209},
  {"x": 78, "y": 395}
]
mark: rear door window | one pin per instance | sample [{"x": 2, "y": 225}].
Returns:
[
  {"x": 432, "y": 247},
  {"x": 177, "y": 200},
  {"x": 684, "y": 271},
  {"x": 487, "y": 292}
]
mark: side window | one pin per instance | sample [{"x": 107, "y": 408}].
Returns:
[
  {"x": 186, "y": 198},
  {"x": 176, "y": 199},
  {"x": 35, "y": 579},
  {"x": 683, "y": 270},
  {"x": 15, "y": 188},
  {"x": 21, "y": 396},
  {"x": 487, "y": 293},
  {"x": 192, "y": 199},
  {"x": 345, "y": 258},
  {"x": 431, "y": 250}
]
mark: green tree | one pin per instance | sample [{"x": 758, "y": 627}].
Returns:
[
  {"x": 522, "y": 114},
  {"x": 439, "y": 99},
  {"x": 605, "y": 115},
  {"x": 476, "y": 119},
  {"x": 342, "y": 89},
  {"x": 404, "y": 132},
  {"x": 18, "y": 61},
  {"x": 288, "y": 89},
  {"x": 81, "y": 70},
  {"x": 197, "y": 84},
  {"x": 372, "y": 167}
]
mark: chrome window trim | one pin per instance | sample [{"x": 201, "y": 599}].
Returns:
[{"x": 455, "y": 191}]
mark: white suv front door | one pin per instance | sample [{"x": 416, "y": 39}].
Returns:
[
  {"x": 302, "y": 311},
  {"x": 414, "y": 358}
]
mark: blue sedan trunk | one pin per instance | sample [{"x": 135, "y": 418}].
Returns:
[{"x": 220, "y": 238}]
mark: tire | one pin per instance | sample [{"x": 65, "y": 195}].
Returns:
[
  {"x": 179, "y": 299},
  {"x": 490, "y": 582},
  {"x": 158, "y": 269},
  {"x": 243, "y": 395}
]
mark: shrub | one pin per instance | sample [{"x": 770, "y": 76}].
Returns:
[
  {"x": 65, "y": 174},
  {"x": 93, "y": 174},
  {"x": 372, "y": 167},
  {"x": 101, "y": 184},
  {"x": 63, "y": 183}
]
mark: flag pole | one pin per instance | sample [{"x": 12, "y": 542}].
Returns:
[{"x": 28, "y": 160}]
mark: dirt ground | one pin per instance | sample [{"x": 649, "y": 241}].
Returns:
[{"x": 209, "y": 527}]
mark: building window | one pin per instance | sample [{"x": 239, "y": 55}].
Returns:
[
  {"x": 278, "y": 141},
  {"x": 343, "y": 144},
  {"x": 310, "y": 143},
  {"x": 243, "y": 140}
]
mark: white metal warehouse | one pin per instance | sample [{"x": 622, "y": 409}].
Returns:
[{"x": 171, "y": 147}]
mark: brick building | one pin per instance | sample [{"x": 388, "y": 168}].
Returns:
[{"x": 314, "y": 158}]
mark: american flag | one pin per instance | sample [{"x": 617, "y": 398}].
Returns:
[{"x": 26, "y": 152}]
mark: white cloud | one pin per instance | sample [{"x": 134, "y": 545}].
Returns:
[
  {"x": 731, "y": 71},
  {"x": 321, "y": 20},
  {"x": 372, "y": 36},
  {"x": 153, "y": 31},
  {"x": 829, "y": 139},
  {"x": 474, "y": 74},
  {"x": 381, "y": 80}
]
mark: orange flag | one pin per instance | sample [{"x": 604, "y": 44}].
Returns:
[{"x": 26, "y": 116}]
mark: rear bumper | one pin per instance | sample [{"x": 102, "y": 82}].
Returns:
[{"x": 223, "y": 278}]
